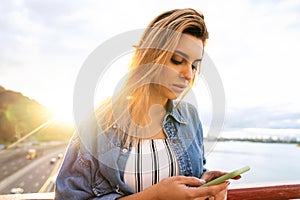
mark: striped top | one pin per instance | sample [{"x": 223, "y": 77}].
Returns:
[{"x": 150, "y": 162}]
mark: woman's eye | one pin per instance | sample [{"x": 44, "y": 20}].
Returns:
[
  {"x": 196, "y": 65},
  {"x": 176, "y": 62}
]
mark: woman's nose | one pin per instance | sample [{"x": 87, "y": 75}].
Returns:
[{"x": 187, "y": 72}]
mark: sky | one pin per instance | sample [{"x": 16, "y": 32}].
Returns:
[{"x": 254, "y": 45}]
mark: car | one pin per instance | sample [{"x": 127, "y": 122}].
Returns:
[
  {"x": 31, "y": 154},
  {"x": 16, "y": 190},
  {"x": 53, "y": 160},
  {"x": 60, "y": 155}
]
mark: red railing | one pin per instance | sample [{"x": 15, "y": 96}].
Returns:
[{"x": 274, "y": 192}]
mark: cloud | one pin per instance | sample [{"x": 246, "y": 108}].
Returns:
[
  {"x": 254, "y": 45},
  {"x": 256, "y": 52},
  {"x": 262, "y": 117}
]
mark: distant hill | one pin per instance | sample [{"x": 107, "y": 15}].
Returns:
[{"x": 19, "y": 115}]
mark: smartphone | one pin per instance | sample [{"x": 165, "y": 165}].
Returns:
[{"x": 225, "y": 177}]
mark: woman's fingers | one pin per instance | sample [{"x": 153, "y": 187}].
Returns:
[
  {"x": 191, "y": 181},
  {"x": 209, "y": 191},
  {"x": 210, "y": 175},
  {"x": 237, "y": 177}
]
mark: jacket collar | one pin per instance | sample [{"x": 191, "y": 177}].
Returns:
[{"x": 175, "y": 112}]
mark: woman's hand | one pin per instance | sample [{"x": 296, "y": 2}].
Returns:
[
  {"x": 211, "y": 175},
  {"x": 176, "y": 188},
  {"x": 179, "y": 187},
  {"x": 219, "y": 196}
]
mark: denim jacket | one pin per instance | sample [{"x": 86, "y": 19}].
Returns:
[{"x": 94, "y": 164}]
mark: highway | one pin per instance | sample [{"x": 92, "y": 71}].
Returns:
[{"x": 18, "y": 171}]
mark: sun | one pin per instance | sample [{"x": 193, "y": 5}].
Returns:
[{"x": 62, "y": 113}]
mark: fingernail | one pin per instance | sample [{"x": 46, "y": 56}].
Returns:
[
  {"x": 228, "y": 183},
  {"x": 202, "y": 181}
]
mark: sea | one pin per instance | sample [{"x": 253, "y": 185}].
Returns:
[{"x": 269, "y": 162}]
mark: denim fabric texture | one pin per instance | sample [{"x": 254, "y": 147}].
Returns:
[{"x": 94, "y": 164}]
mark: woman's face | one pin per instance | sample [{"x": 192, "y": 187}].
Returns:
[{"x": 181, "y": 68}]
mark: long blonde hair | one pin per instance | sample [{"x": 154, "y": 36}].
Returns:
[{"x": 154, "y": 49}]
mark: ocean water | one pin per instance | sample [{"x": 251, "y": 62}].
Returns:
[{"x": 269, "y": 162}]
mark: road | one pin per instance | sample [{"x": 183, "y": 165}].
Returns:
[{"x": 17, "y": 171}]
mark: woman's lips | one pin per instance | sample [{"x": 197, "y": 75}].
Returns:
[{"x": 178, "y": 88}]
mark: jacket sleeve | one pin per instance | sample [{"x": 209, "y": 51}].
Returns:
[{"x": 80, "y": 178}]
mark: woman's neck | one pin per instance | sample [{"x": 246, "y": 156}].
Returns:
[
  {"x": 155, "y": 98},
  {"x": 149, "y": 116}
]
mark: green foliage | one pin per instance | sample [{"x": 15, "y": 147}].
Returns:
[{"x": 19, "y": 115}]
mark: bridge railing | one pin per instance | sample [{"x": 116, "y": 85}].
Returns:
[{"x": 249, "y": 192}]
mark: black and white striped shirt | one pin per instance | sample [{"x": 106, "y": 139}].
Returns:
[{"x": 150, "y": 162}]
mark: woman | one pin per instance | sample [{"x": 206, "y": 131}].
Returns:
[{"x": 145, "y": 142}]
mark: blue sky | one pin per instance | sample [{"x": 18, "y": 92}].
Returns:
[{"x": 254, "y": 44}]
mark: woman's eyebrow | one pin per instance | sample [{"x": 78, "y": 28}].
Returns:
[
  {"x": 200, "y": 59},
  {"x": 182, "y": 54}
]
